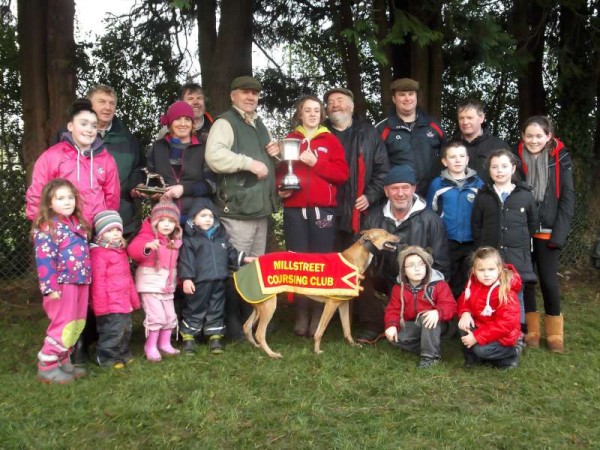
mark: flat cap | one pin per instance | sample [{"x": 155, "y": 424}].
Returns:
[
  {"x": 246, "y": 82},
  {"x": 404, "y": 84},
  {"x": 344, "y": 91}
]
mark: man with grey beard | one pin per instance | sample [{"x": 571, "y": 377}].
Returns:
[
  {"x": 367, "y": 160},
  {"x": 368, "y": 165}
]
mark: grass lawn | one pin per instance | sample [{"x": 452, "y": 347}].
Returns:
[{"x": 346, "y": 398}]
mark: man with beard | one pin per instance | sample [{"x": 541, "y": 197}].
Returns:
[{"x": 367, "y": 162}]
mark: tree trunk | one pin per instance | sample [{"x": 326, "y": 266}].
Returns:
[
  {"x": 529, "y": 26},
  {"x": 424, "y": 64},
  {"x": 46, "y": 53},
  {"x": 385, "y": 70},
  {"x": 343, "y": 20},
  {"x": 225, "y": 54}
]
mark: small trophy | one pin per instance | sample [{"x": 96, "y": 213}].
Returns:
[
  {"x": 155, "y": 184},
  {"x": 290, "y": 152}
]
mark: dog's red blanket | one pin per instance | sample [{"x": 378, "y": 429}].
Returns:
[{"x": 324, "y": 274}]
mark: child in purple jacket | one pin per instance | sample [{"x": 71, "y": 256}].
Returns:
[{"x": 60, "y": 236}]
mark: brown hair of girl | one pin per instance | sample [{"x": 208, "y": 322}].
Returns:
[
  {"x": 298, "y": 109},
  {"x": 46, "y": 214}
]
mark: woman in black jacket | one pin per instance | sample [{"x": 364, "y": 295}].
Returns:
[
  {"x": 179, "y": 159},
  {"x": 548, "y": 169}
]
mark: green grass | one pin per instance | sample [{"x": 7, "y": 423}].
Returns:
[{"x": 346, "y": 398}]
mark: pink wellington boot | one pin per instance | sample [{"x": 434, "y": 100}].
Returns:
[
  {"x": 164, "y": 343},
  {"x": 152, "y": 353}
]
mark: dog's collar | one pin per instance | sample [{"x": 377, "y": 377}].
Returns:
[{"x": 369, "y": 246}]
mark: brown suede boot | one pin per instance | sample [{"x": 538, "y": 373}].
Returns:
[
  {"x": 532, "y": 339},
  {"x": 554, "y": 333}
]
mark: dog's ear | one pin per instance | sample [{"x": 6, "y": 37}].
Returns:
[{"x": 364, "y": 235}]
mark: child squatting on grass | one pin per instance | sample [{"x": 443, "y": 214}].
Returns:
[
  {"x": 419, "y": 302},
  {"x": 489, "y": 312},
  {"x": 205, "y": 262},
  {"x": 60, "y": 236},
  {"x": 156, "y": 248},
  {"x": 113, "y": 291}
]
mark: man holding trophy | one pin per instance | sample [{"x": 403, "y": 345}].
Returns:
[{"x": 315, "y": 165}]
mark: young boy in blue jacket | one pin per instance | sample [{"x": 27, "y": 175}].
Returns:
[{"x": 451, "y": 195}]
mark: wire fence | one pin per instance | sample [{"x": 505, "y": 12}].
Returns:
[{"x": 18, "y": 280}]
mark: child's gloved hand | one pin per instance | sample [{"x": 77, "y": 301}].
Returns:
[
  {"x": 469, "y": 340},
  {"x": 430, "y": 319},
  {"x": 391, "y": 333}
]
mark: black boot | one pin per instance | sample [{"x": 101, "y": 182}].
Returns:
[{"x": 80, "y": 354}]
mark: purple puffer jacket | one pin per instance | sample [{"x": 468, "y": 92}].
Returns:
[{"x": 62, "y": 256}]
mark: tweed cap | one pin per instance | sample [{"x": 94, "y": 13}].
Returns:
[
  {"x": 107, "y": 220},
  {"x": 404, "y": 84},
  {"x": 246, "y": 82},
  {"x": 344, "y": 91}
]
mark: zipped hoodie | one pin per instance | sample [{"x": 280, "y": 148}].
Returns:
[
  {"x": 493, "y": 322},
  {"x": 407, "y": 302},
  {"x": 93, "y": 172},
  {"x": 318, "y": 184}
]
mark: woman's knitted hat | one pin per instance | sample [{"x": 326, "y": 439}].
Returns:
[
  {"x": 107, "y": 220},
  {"x": 422, "y": 253},
  {"x": 164, "y": 208},
  {"x": 175, "y": 111}
]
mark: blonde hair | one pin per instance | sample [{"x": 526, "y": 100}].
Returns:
[{"x": 505, "y": 274}]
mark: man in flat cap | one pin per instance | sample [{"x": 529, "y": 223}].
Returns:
[
  {"x": 241, "y": 152},
  {"x": 367, "y": 162},
  {"x": 411, "y": 136},
  {"x": 406, "y": 216}
]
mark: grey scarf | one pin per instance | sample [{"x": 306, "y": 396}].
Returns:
[{"x": 537, "y": 172}]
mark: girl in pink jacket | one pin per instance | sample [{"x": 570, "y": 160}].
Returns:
[
  {"x": 156, "y": 248},
  {"x": 81, "y": 158},
  {"x": 113, "y": 291}
]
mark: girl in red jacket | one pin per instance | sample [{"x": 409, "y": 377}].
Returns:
[
  {"x": 113, "y": 291},
  {"x": 418, "y": 304},
  {"x": 309, "y": 213},
  {"x": 489, "y": 312}
]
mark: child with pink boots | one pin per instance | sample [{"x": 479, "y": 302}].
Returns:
[{"x": 156, "y": 248}]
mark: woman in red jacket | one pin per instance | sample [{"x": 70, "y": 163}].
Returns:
[
  {"x": 489, "y": 312},
  {"x": 309, "y": 213}
]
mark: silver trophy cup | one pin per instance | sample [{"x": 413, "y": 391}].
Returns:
[{"x": 290, "y": 152}]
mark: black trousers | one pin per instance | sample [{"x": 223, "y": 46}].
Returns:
[
  {"x": 203, "y": 311},
  {"x": 545, "y": 259},
  {"x": 114, "y": 335}
]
